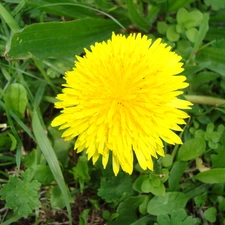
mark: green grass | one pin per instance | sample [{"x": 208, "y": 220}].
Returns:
[{"x": 38, "y": 42}]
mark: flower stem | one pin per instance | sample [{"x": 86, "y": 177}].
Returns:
[{"x": 198, "y": 99}]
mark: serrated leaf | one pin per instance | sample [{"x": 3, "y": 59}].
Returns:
[
  {"x": 21, "y": 195},
  {"x": 191, "y": 149},
  {"x": 16, "y": 98},
  {"x": 167, "y": 203},
  {"x": 59, "y": 39},
  {"x": 163, "y": 219},
  {"x": 115, "y": 188},
  {"x": 178, "y": 217},
  {"x": 212, "y": 176}
]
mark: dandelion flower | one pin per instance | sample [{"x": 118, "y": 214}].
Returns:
[{"x": 121, "y": 99}]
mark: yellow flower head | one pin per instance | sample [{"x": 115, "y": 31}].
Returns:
[{"x": 121, "y": 97}]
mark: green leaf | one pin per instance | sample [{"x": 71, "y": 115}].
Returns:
[
  {"x": 174, "y": 5},
  {"x": 184, "y": 49},
  {"x": 210, "y": 214},
  {"x": 143, "y": 206},
  {"x": 162, "y": 27},
  {"x": 196, "y": 19},
  {"x": 60, "y": 146},
  {"x": 182, "y": 16},
  {"x": 63, "y": 8},
  {"x": 204, "y": 26},
  {"x": 215, "y": 33},
  {"x": 137, "y": 186},
  {"x": 172, "y": 34},
  {"x": 43, "y": 174},
  {"x": 215, "y": 4},
  {"x": 178, "y": 217},
  {"x": 51, "y": 158},
  {"x": 212, "y": 176},
  {"x": 8, "y": 19},
  {"x": 167, "y": 160},
  {"x": 154, "y": 185},
  {"x": 136, "y": 17},
  {"x": 81, "y": 171},
  {"x": 16, "y": 98},
  {"x": 216, "y": 57},
  {"x": 145, "y": 220},
  {"x": 191, "y": 34},
  {"x": 200, "y": 200},
  {"x": 59, "y": 39},
  {"x": 14, "y": 142},
  {"x": 114, "y": 189},
  {"x": 218, "y": 160},
  {"x": 204, "y": 77},
  {"x": 127, "y": 211},
  {"x": 57, "y": 199},
  {"x": 163, "y": 219},
  {"x": 176, "y": 174},
  {"x": 191, "y": 149},
  {"x": 21, "y": 195},
  {"x": 5, "y": 142},
  {"x": 83, "y": 217},
  {"x": 167, "y": 203}
]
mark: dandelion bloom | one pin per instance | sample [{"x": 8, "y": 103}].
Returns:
[{"x": 121, "y": 97}]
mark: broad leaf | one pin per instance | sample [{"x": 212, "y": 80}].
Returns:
[
  {"x": 59, "y": 39},
  {"x": 191, "y": 149},
  {"x": 16, "y": 98},
  {"x": 212, "y": 176}
]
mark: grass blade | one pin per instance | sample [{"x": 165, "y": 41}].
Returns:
[
  {"x": 51, "y": 158},
  {"x": 8, "y": 19}
]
